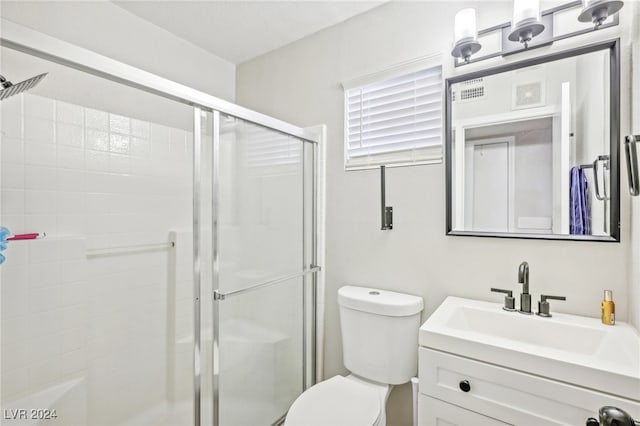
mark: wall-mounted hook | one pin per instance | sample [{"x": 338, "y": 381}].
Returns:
[{"x": 386, "y": 213}]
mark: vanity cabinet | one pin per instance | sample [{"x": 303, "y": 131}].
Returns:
[{"x": 463, "y": 391}]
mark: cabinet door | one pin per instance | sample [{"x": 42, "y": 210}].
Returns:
[
  {"x": 432, "y": 411},
  {"x": 511, "y": 396}
]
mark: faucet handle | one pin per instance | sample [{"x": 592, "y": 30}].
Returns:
[
  {"x": 543, "y": 305},
  {"x": 509, "y": 300}
]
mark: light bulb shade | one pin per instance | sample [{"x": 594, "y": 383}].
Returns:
[
  {"x": 465, "y": 25},
  {"x": 527, "y": 21},
  {"x": 465, "y": 34},
  {"x": 526, "y": 11},
  {"x": 597, "y": 11}
]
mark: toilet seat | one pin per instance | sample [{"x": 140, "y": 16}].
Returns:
[{"x": 337, "y": 401}]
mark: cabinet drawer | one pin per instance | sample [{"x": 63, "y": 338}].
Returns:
[
  {"x": 511, "y": 396},
  {"x": 432, "y": 411}
]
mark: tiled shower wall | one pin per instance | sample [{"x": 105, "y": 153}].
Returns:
[{"x": 90, "y": 179}]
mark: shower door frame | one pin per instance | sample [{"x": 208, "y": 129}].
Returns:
[
  {"x": 34, "y": 43},
  {"x": 308, "y": 377}
]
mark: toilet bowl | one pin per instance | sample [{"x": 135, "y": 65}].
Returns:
[
  {"x": 380, "y": 348},
  {"x": 340, "y": 401}
]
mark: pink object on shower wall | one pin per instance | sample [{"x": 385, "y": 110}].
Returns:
[{"x": 23, "y": 237}]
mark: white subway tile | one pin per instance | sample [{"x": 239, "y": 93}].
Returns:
[
  {"x": 71, "y": 158},
  {"x": 72, "y": 224},
  {"x": 97, "y": 224},
  {"x": 97, "y": 161},
  {"x": 74, "y": 362},
  {"x": 40, "y": 178},
  {"x": 70, "y": 135},
  {"x": 44, "y": 274},
  {"x": 119, "y": 164},
  {"x": 43, "y": 299},
  {"x": 14, "y": 382},
  {"x": 12, "y": 150},
  {"x": 71, "y": 180},
  {"x": 14, "y": 290},
  {"x": 13, "y": 201},
  {"x": 69, "y": 113},
  {"x": 97, "y": 202},
  {"x": 141, "y": 129},
  {"x": 73, "y": 248},
  {"x": 96, "y": 140},
  {"x": 70, "y": 203},
  {"x": 120, "y": 124},
  {"x": 74, "y": 271},
  {"x": 12, "y": 125},
  {"x": 119, "y": 143},
  {"x": 74, "y": 338},
  {"x": 98, "y": 120},
  {"x": 40, "y": 223},
  {"x": 74, "y": 293},
  {"x": 12, "y": 176},
  {"x": 15, "y": 356},
  {"x": 15, "y": 329},
  {"x": 16, "y": 254},
  {"x": 45, "y": 250},
  {"x": 41, "y": 202},
  {"x": 40, "y": 154},
  {"x": 74, "y": 316},
  {"x": 44, "y": 372},
  {"x": 38, "y": 106},
  {"x": 12, "y": 105},
  {"x": 39, "y": 130},
  {"x": 139, "y": 146}
]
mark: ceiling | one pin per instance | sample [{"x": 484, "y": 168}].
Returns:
[{"x": 241, "y": 30}]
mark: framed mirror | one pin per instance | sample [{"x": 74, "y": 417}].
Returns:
[{"x": 532, "y": 147}]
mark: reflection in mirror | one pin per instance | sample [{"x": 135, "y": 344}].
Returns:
[{"x": 530, "y": 150}]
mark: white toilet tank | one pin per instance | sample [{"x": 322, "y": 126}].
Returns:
[{"x": 380, "y": 333}]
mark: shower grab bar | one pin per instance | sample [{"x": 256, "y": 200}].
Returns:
[
  {"x": 106, "y": 251},
  {"x": 222, "y": 296}
]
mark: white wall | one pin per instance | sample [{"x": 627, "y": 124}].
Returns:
[
  {"x": 301, "y": 83},
  {"x": 105, "y": 28}
]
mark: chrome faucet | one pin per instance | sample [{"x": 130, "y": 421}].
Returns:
[{"x": 525, "y": 297}]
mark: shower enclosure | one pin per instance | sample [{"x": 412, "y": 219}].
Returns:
[{"x": 177, "y": 282}]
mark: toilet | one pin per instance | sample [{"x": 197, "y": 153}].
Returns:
[{"x": 380, "y": 349}]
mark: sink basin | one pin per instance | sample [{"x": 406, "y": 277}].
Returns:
[{"x": 569, "y": 348}]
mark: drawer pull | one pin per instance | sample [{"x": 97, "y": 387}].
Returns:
[{"x": 465, "y": 386}]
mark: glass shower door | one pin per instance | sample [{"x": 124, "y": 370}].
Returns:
[{"x": 260, "y": 230}]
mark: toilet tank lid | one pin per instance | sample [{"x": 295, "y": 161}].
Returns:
[{"x": 380, "y": 302}]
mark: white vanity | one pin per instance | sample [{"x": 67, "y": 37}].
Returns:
[{"x": 482, "y": 365}]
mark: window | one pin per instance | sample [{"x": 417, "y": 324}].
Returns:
[{"x": 394, "y": 118}]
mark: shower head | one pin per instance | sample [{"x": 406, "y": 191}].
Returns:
[{"x": 10, "y": 89}]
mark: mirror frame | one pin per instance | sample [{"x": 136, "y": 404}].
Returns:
[{"x": 614, "y": 140}]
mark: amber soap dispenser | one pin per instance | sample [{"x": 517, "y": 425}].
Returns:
[{"x": 608, "y": 308}]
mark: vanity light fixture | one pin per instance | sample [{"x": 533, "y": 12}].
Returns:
[
  {"x": 465, "y": 35},
  {"x": 527, "y": 21},
  {"x": 530, "y": 28},
  {"x": 597, "y": 11}
]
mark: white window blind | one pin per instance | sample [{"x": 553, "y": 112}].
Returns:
[{"x": 395, "y": 120}]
